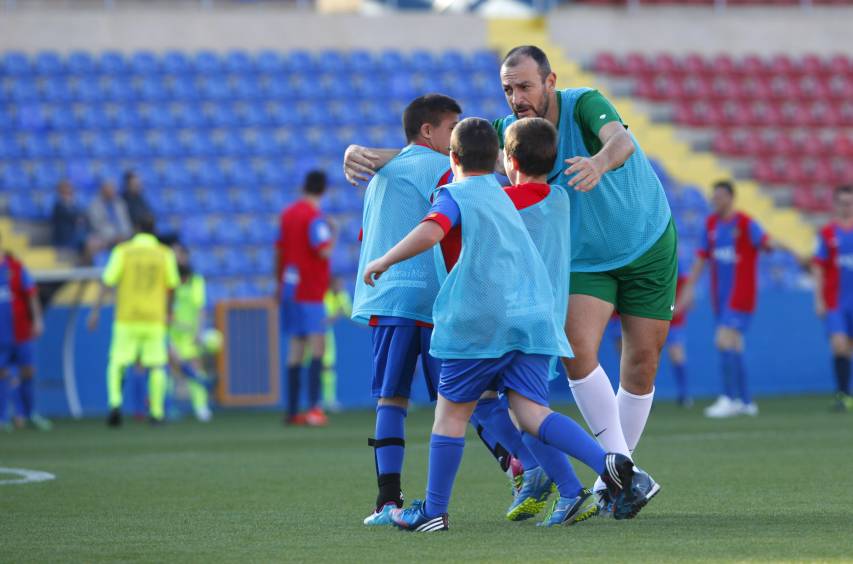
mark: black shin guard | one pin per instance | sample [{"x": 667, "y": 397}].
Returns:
[
  {"x": 501, "y": 454},
  {"x": 390, "y": 489},
  {"x": 842, "y": 374}
]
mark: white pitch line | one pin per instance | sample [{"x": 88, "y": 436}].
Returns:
[{"x": 27, "y": 476}]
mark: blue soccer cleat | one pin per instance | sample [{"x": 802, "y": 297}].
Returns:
[
  {"x": 604, "y": 502},
  {"x": 569, "y": 511},
  {"x": 413, "y": 519},
  {"x": 629, "y": 488},
  {"x": 381, "y": 516},
  {"x": 531, "y": 499}
]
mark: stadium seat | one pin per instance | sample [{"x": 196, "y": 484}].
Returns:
[
  {"x": 144, "y": 63},
  {"x": 238, "y": 62},
  {"x": 175, "y": 63},
  {"x": 112, "y": 63},
  {"x": 207, "y": 64},
  {"x": 270, "y": 63},
  {"x": 15, "y": 64}
]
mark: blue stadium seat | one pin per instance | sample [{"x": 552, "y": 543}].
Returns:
[
  {"x": 56, "y": 89},
  {"x": 214, "y": 87},
  {"x": 272, "y": 173},
  {"x": 372, "y": 88},
  {"x": 176, "y": 175},
  {"x": 359, "y": 61},
  {"x": 197, "y": 144},
  {"x": 195, "y": 230},
  {"x": 454, "y": 61},
  {"x": 226, "y": 232},
  {"x": 32, "y": 117},
  {"x": 183, "y": 88},
  {"x": 80, "y": 64},
  {"x": 175, "y": 63},
  {"x": 421, "y": 61},
  {"x": 86, "y": 89},
  {"x": 69, "y": 146},
  {"x": 82, "y": 174},
  {"x": 187, "y": 115},
  {"x": 92, "y": 117},
  {"x": 300, "y": 62},
  {"x": 262, "y": 143},
  {"x": 155, "y": 116},
  {"x": 330, "y": 61},
  {"x": 15, "y": 63},
  {"x": 238, "y": 62},
  {"x": 229, "y": 143},
  {"x": 117, "y": 89},
  {"x": 270, "y": 62},
  {"x": 37, "y": 146},
  {"x": 391, "y": 62},
  {"x": 179, "y": 200},
  {"x": 250, "y": 114},
  {"x": 261, "y": 233},
  {"x": 61, "y": 117},
  {"x": 281, "y": 114},
  {"x": 23, "y": 90},
  {"x": 150, "y": 89},
  {"x": 402, "y": 86},
  {"x": 103, "y": 147},
  {"x": 125, "y": 117},
  {"x": 133, "y": 144},
  {"x": 220, "y": 115},
  {"x": 486, "y": 61},
  {"x": 15, "y": 178},
  {"x": 208, "y": 174},
  {"x": 28, "y": 205},
  {"x": 204, "y": 261},
  {"x": 207, "y": 63},
  {"x": 144, "y": 63},
  {"x": 9, "y": 148},
  {"x": 112, "y": 63},
  {"x": 245, "y": 88}
]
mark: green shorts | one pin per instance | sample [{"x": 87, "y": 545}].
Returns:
[
  {"x": 145, "y": 344},
  {"x": 642, "y": 288}
]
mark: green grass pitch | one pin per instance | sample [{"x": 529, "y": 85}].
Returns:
[{"x": 243, "y": 488}]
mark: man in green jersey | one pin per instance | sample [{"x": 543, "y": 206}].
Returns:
[{"x": 623, "y": 243}]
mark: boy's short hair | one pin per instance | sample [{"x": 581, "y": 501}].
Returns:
[
  {"x": 726, "y": 185},
  {"x": 430, "y": 108},
  {"x": 315, "y": 183},
  {"x": 533, "y": 143},
  {"x": 475, "y": 144}
]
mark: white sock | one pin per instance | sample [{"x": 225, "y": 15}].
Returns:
[
  {"x": 597, "y": 402},
  {"x": 633, "y": 413}
]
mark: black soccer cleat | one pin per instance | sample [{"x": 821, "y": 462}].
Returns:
[{"x": 114, "y": 418}]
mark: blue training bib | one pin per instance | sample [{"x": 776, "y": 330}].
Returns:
[{"x": 498, "y": 297}]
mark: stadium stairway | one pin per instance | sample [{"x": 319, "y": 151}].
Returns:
[
  {"x": 685, "y": 165},
  {"x": 37, "y": 257}
]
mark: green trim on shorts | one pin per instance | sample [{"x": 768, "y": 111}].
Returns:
[{"x": 642, "y": 288}]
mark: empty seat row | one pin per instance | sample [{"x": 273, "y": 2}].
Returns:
[
  {"x": 765, "y": 143},
  {"x": 762, "y": 113},
  {"x": 747, "y": 88}
]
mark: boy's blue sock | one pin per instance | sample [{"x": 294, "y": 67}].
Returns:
[
  {"x": 565, "y": 434},
  {"x": 315, "y": 372},
  {"x": 493, "y": 414},
  {"x": 445, "y": 456},
  {"x": 556, "y": 465}
]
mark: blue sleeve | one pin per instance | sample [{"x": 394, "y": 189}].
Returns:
[
  {"x": 445, "y": 205},
  {"x": 822, "y": 252},
  {"x": 27, "y": 281},
  {"x": 756, "y": 234},
  {"x": 319, "y": 233}
]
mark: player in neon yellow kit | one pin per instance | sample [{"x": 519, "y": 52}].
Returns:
[
  {"x": 143, "y": 272},
  {"x": 338, "y": 304},
  {"x": 185, "y": 334}
]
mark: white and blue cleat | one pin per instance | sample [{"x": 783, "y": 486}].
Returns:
[
  {"x": 381, "y": 516},
  {"x": 414, "y": 519},
  {"x": 569, "y": 511}
]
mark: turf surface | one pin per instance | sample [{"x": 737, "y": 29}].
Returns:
[{"x": 243, "y": 488}]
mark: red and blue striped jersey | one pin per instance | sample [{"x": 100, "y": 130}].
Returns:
[
  {"x": 835, "y": 256},
  {"x": 732, "y": 246},
  {"x": 16, "y": 287}
]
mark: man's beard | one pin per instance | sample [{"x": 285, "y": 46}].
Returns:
[{"x": 540, "y": 112}]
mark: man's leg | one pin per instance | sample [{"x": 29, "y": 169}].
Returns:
[
  {"x": 840, "y": 345},
  {"x": 158, "y": 381},
  {"x": 588, "y": 316},
  {"x": 643, "y": 340},
  {"x": 678, "y": 360},
  {"x": 330, "y": 375},
  {"x": 295, "y": 354},
  {"x": 317, "y": 343},
  {"x": 4, "y": 400}
]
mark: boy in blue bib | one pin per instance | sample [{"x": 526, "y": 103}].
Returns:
[{"x": 494, "y": 328}]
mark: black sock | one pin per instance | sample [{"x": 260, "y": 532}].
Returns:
[
  {"x": 842, "y": 374},
  {"x": 390, "y": 490},
  {"x": 315, "y": 372},
  {"x": 294, "y": 377}
]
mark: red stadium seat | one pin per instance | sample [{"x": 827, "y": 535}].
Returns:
[
  {"x": 840, "y": 87},
  {"x": 724, "y": 143},
  {"x": 695, "y": 65},
  {"x": 636, "y": 64},
  {"x": 751, "y": 66},
  {"x": 812, "y": 65},
  {"x": 783, "y": 65},
  {"x": 664, "y": 63},
  {"x": 608, "y": 63},
  {"x": 722, "y": 65},
  {"x": 839, "y": 65},
  {"x": 695, "y": 87}
]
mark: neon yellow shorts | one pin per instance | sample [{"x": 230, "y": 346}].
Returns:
[
  {"x": 184, "y": 345},
  {"x": 145, "y": 344}
]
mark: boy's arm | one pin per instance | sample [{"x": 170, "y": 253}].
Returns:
[
  {"x": 360, "y": 163},
  {"x": 419, "y": 239}
]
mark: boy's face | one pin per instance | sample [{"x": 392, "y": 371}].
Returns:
[{"x": 439, "y": 135}]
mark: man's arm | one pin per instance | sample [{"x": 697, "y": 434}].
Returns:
[
  {"x": 95, "y": 314},
  {"x": 819, "y": 303},
  {"x": 361, "y": 163},
  {"x": 110, "y": 279},
  {"x": 687, "y": 294},
  {"x": 36, "y": 312},
  {"x": 618, "y": 148},
  {"x": 419, "y": 239}
]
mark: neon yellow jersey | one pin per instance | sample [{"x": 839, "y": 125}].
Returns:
[
  {"x": 143, "y": 271},
  {"x": 337, "y": 303},
  {"x": 190, "y": 300}
]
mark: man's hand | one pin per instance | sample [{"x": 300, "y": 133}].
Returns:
[
  {"x": 38, "y": 327},
  {"x": 92, "y": 321},
  {"x": 685, "y": 298},
  {"x": 820, "y": 307},
  {"x": 587, "y": 173},
  {"x": 360, "y": 164},
  {"x": 374, "y": 270}
]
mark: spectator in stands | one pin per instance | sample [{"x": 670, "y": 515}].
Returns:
[
  {"x": 108, "y": 218},
  {"x": 137, "y": 205},
  {"x": 68, "y": 220}
]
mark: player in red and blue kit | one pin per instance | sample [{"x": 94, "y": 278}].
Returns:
[
  {"x": 732, "y": 243},
  {"x": 302, "y": 269},
  {"x": 833, "y": 271},
  {"x": 20, "y": 323}
]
